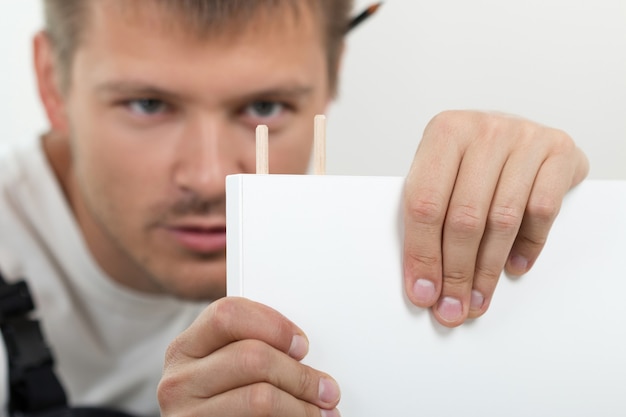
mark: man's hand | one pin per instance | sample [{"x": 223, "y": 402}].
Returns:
[
  {"x": 481, "y": 196},
  {"x": 240, "y": 358}
]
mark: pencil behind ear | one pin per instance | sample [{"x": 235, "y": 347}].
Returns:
[{"x": 50, "y": 93}]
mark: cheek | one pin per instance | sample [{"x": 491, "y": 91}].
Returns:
[
  {"x": 105, "y": 161},
  {"x": 115, "y": 169}
]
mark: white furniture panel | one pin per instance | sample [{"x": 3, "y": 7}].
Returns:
[{"x": 326, "y": 252}]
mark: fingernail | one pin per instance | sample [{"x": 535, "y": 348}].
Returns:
[
  {"x": 328, "y": 390},
  {"x": 331, "y": 413},
  {"x": 450, "y": 309},
  {"x": 299, "y": 347},
  {"x": 424, "y": 291},
  {"x": 518, "y": 263},
  {"x": 477, "y": 300}
]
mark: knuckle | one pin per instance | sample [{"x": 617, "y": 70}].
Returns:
[
  {"x": 488, "y": 276},
  {"x": 448, "y": 122},
  {"x": 481, "y": 125},
  {"x": 526, "y": 130},
  {"x": 543, "y": 210},
  {"x": 306, "y": 381},
  {"x": 254, "y": 355},
  {"x": 490, "y": 126},
  {"x": 533, "y": 242},
  {"x": 219, "y": 315},
  {"x": 169, "y": 391},
  {"x": 430, "y": 261},
  {"x": 453, "y": 127},
  {"x": 505, "y": 219},
  {"x": 262, "y": 399},
  {"x": 465, "y": 220},
  {"x": 425, "y": 209},
  {"x": 227, "y": 316},
  {"x": 283, "y": 331},
  {"x": 456, "y": 277},
  {"x": 174, "y": 352},
  {"x": 562, "y": 142}
]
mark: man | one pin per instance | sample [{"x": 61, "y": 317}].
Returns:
[{"x": 116, "y": 217}]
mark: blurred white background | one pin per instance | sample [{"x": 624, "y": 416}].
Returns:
[{"x": 558, "y": 62}]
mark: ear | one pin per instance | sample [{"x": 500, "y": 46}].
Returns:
[
  {"x": 47, "y": 74},
  {"x": 338, "y": 65}
]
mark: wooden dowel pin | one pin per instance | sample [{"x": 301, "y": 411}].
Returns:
[
  {"x": 319, "y": 145},
  {"x": 262, "y": 150}
]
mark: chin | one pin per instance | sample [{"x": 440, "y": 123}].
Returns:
[{"x": 203, "y": 282}]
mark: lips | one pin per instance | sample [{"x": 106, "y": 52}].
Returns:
[{"x": 199, "y": 238}]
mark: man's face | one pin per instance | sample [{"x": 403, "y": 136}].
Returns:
[{"x": 158, "y": 118}]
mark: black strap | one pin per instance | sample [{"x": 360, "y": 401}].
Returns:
[
  {"x": 35, "y": 391},
  {"x": 34, "y": 386}
]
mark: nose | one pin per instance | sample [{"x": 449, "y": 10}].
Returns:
[{"x": 206, "y": 155}]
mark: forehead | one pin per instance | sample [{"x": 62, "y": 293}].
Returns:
[
  {"x": 211, "y": 20},
  {"x": 146, "y": 42}
]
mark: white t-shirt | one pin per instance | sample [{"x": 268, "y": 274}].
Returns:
[{"x": 108, "y": 341}]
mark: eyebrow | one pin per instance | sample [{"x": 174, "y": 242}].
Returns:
[
  {"x": 141, "y": 89},
  {"x": 131, "y": 87},
  {"x": 294, "y": 91}
]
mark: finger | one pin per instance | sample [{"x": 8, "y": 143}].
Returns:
[
  {"x": 427, "y": 192},
  {"x": 261, "y": 399},
  {"x": 465, "y": 226},
  {"x": 231, "y": 319},
  {"x": 248, "y": 362},
  {"x": 503, "y": 223},
  {"x": 582, "y": 167},
  {"x": 544, "y": 204}
]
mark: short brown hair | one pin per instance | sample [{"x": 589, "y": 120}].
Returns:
[{"x": 65, "y": 22}]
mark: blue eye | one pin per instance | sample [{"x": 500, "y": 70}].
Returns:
[
  {"x": 147, "y": 106},
  {"x": 264, "y": 109}
]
